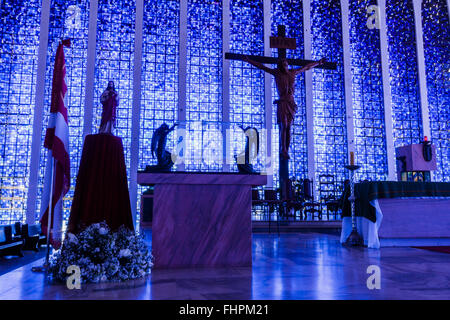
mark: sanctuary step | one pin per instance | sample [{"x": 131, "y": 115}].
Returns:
[{"x": 329, "y": 227}]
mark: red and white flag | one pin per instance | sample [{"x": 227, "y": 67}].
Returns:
[{"x": 57, "y": 143}]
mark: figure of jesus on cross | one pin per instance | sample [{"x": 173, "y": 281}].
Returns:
[
  {"x": 286, "y": 106},
  {"x": 284, "y": 80},
  {"x": 285, "y": 83}
]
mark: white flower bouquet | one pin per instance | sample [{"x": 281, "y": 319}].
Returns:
[{"x": 102, "y": 255}]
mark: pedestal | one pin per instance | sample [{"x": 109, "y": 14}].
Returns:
[
  {"x": 101, "y": 192},
  {"x": 354, "y": 238},
  {"x": 284, "y": 176},
  {"x": 201, "y": 220}
]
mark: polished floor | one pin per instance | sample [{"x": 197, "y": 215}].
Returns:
[
  {"x": 291, "y": 266},
  {"x": 9, "y": 263}
]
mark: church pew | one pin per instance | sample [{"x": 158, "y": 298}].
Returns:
[
  {"x": 32, "y": 237},
  {"x": 9, "y": 245}
]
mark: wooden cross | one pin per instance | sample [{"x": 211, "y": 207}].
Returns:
[{"x": 281, "y": 43}]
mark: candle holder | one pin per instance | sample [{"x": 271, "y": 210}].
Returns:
[{"x": 354, "y": 239}]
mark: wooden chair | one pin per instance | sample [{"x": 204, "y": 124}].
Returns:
[
  {"x": 271, "y": 202},
  {"x": 293, "y": 203},
  {"x": 327, "y": 194},
  {"x": 257, "y": 202},
  {"x": 309, "y": 204},
  {"x": 32, "y": 236}
]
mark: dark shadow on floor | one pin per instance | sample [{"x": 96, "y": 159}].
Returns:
[{"x": 10, "y": 263}]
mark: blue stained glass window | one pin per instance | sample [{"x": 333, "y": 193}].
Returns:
[
  {"x": 19, "y": 32},
  {"x": 407, "y": 118},
  {"x": 367, "y": 87},
  {"x": 436, "y": 31},
  {"x": 159, "y": 86},
  {"x": 159, "y": 95},
  {"x": 115, "y": 62},
  {"x": 290, "y": 14},
  {"x": 330, "y": 134},
  {"x": 204, "y": 85},
  {"x": 68, "y": 20},
  {"x": 247, "y": 106}
]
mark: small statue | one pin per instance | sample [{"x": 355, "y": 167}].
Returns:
[
  {"x": 159, "y": 141},
  {"x": 243, "y": 160},
  {"x": 110, "y": 101}
]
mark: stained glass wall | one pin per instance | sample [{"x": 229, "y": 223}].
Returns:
[
  {"x": 159, "y": 86},
  {"x": 204, "y": 85},
  {"x": 68, "y": 20},
  {"x": 19, "y": 36},
  {"x": 160, "y": 55},
  {"x": 436, "y": 32},
  {"x": 247, "y": 106},
  {"x": 367, "y": 95},
  {"x": 330, "y": 133},
  {"x": 406, "y": 112},
  {"x": 290, "y": 14},
  {"x": 19, "y": 30},
  {"x": 114, "y": 61}
]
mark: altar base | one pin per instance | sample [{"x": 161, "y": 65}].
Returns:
[{"x": 201, "y": 220}]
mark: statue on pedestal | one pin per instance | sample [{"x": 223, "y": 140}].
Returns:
[
  {"x": 164, "y": 157},
  {"x": 110, "y": 101},
  {"x": 243, "y": 160}
]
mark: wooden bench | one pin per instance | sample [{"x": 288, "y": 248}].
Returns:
[
  {"x": 32, "y": 236},
  {"x": 9, "y": 245}
]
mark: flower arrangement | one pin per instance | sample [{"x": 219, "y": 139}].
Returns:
[{"x": 102, "y": 255}]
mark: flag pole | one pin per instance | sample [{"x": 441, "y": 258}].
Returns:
[
  {"x": 57, "y": 106},
  {"x": 44, "y": 267},
  {"x": 50, "y": 215}
]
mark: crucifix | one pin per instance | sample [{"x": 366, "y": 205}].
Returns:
[{"x": 285, "y": 83}]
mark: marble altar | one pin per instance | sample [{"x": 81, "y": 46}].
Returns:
[{"x": 201, "y": 219}]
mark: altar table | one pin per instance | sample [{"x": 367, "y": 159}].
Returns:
[
  {"x": 413, "y": 213},
  {"x": 201, "y": 219}
]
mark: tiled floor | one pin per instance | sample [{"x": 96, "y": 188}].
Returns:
[{"x": 292, "y": 266}]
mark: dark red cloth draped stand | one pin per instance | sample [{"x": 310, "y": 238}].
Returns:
[{"x": 101, "y": 192}]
